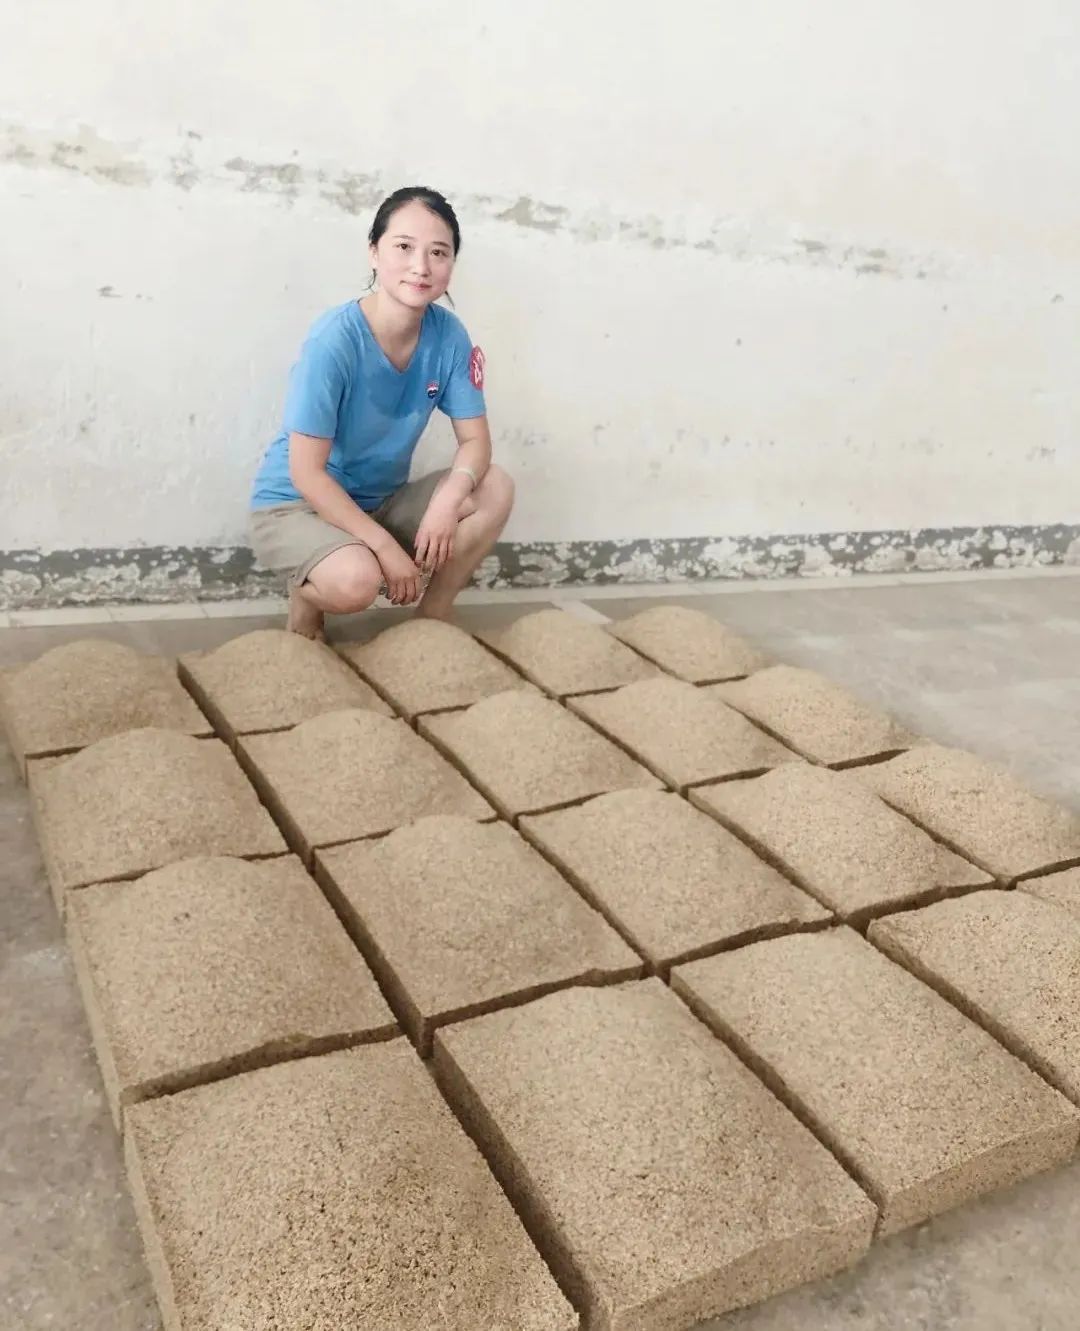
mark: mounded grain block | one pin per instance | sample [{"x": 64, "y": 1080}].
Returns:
[
  {"x": 84, "y": 691},
  {"x": 838, "y": 840},
  {"x": 347, "y": 775},
  {"x": 1008, "y": 959},
  {"x": 682, "y": 734},
  {"x": 563, "y": 654},
  {"x": 137, "y": 801},
  {"x": 980, "y": 809},
  {"x": 214, "y": 966},
  {"x": 1063, "y": 889},
  {"x": 457, "y": 918},
  {"x": 272, "y": 680},
  {"x": 425, "y": 665},
  {"x": 673, "y": 881},
  {"x": 689, "y": 644},
  {"x": 527, "y": 754},
  {"x": 926, "y": 1109},
  {"x": 333, "y": 1194},
  {"x": 814, "y": 716},
  {"x": 663, "y": 1183}
]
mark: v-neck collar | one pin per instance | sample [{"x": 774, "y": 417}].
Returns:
[{"x": 370, "y": 334}]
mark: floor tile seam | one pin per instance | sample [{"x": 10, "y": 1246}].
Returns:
[
  {"x": 775, "y": 861},
  {"x": 1003, "y": 880},
  {"x": 593, "y": 978},
  {"x": 862, "y": 916},
  {"x": 298, "y": 841},
  {"x": 447, "y": 753},
  {"x": 210, "y": 710},
  {"x": 373, "y": 685},
  {"x": 971, "y": 1010},
  {"x": 598, "y": 728},
  {"x": 762, "y": 933},
  {"x": 662, "y": 966},
  {"x": 397, "y": 992},
  {"x": 268, "y": 1053},
  {"x": 769, "y": 1077},
  {"x": 586, "y": 893},
  {"x": 258, "y": 1058},
  {"x": 677, "y": 787},
  {"x": 224, "y": 730},
  {"x": 521, "y": 1190},
  {"x": 133, "y": 875},
  {"x": 267, "y": 795},
  {"x": 515, "y": 667},
  {"x": 394, "y": 991},
  {"x": 555, "y": 694},
  {"x": 503, "y": 810},
  {"x": 862, "y": 919},
  {"x": 765, "y": 729}
]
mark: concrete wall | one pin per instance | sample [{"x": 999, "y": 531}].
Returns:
[{"x": 802, "y": 270}]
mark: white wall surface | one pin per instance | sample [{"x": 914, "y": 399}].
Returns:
[{"x": 805, "y": 266}]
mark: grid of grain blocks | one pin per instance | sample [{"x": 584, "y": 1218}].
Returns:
[{"x": 566, "y": 976}]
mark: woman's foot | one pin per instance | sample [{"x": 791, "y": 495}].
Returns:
[{"x": 304, "y": 618}]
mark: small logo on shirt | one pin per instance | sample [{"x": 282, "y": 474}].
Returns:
[
  {"x": 433, "y": 388},
  {"x": 476, "y": 368}
]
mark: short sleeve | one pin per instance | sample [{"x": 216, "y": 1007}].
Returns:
[
  {"x": 316, "y": 386},
  {"x": 463, "y": 396}
]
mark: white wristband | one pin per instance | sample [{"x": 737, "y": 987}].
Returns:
[{"x": 468, "y": 471}]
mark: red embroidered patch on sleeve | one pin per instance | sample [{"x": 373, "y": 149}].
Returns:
[{"x": 476, "y": 368}]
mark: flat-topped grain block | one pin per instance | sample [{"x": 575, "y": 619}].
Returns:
[
  {"x": 84, "y": 691},
  {"x": 457, "y": 918},
  {"x": 924, "y": 1107},
  {"x": 661, "y": 1180},
  {"x": 682, "y": 734},
  {"x": 689, "y": 644},
  {"x": 838, "y": 840},
  {"x": 528, "y": 754},
  {"x": 1063, "y": 889},
  {"x": 980, "y": 809},
  {"x": 333, "y": 1194},
  {"x": 425, "y": 665},
  {"x": 272, "y": 680},
  {"x": 562, "y": 654},
  {"x": 140, "y": 800},
  {"x": 353, "y": 774},
  {"x": 1011, "y": 961},
  {"x": 816, "y": 717},
  {"x": 214, "y": 966},
  {"x": 674, "y": 882}
]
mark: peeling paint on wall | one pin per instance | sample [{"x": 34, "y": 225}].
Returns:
[
  {"x": 31, "y": 579},
  {"x": 190, "y": 163}
]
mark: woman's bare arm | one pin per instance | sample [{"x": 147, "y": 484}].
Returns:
[{"x": 307, "y": 470}]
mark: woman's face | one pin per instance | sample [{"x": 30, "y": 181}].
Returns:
[{"x": 415, "y": 257}]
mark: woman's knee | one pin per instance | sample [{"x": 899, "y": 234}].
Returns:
[{"x": 348, "y": 580}]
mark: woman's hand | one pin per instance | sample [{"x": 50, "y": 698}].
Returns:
[
  {"x": 401, "y": 574},
  {"x": 435, "y": 535}
]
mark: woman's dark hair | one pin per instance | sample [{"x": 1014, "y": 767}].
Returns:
[{"x": 430, "y": 198}]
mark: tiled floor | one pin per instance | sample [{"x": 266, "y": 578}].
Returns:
[{"x": 990, "y": 663}]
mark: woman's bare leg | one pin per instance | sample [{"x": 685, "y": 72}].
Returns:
[
  {"x": 343, "y": 583},
  {"x": 477, "y": 532}
]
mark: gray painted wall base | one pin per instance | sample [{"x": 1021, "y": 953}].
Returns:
[{"x": 35, "y": 579}]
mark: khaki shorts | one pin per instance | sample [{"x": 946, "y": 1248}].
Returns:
[{"x": 292, "y": 538}]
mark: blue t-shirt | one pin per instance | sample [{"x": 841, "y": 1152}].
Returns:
[{"x": 345, "y": 389}]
